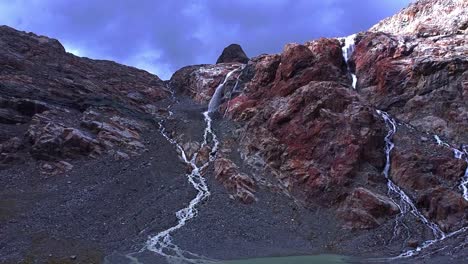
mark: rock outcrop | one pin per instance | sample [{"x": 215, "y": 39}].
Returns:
[
  {"x": 425, "y": 18},
  {"x": 421, "y": 81},
  {"x": 430, "y": 174},
  {"x": 233, "y": 53},
  {"x": 364, "y": 209},
  {"x": 54, "y": 105},
  {"x": 200, "y": 81},
  {"x": 240, "y": 185}
]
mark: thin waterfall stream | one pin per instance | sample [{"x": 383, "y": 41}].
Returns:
[
  {"x": 461, "y": 154},
  {"x": 216, "y": 98},
  {"x": 162, "y": 243},
  {"x": 348, "y": 49},
  {"x": 404, "y": 202}
]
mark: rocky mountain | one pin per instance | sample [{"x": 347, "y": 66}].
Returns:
[{"x": 289, "y": 159}]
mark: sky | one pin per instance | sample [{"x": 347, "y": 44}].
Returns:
[{"x": 162, "y": 36}]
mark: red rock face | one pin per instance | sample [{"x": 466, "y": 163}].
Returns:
[
  {"x": 310, "y": 128},
  {"x": 311, "y": 131},
  {"x": 430, "y": 175},
  {"x": 421, "y": 81},
  {"x": 304, "y": 125},
  {"x": 313, "y": 139},
  {"x": 300, "y": 64}
]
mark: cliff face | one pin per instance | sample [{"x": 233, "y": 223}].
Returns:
[
  {"x": 66, "y": 106},
  {"x": 288, "y": 123},
  {"x": 302, "y": 122}
]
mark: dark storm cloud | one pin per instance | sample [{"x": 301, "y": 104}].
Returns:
[{"x": 162, "y": 36}]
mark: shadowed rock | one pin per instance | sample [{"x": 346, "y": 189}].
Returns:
[{"x": 233, "y": 53}]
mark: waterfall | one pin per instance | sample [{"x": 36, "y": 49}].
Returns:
[
  {"x": 404, "y": 202},
  {"x": 348, "y": 50},
  {"x": 233, "y": 90},
  {"x": 462, "y": 154},
  {"x": 162, "y": 243},
  {"x": 216, "y": 98},
  {"x": 464, "y": 181}
]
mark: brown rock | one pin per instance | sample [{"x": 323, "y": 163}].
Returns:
[
  {"x": 240, "y": 185},
  {"x": 120, "y": 155},
  {"x": 320, "y": 60},
  {"x": 191, "y": 148},
  {"x": 203, "y": 155},
  {"x": 364, "y": 209},
  {"x": 418, "y": 80},
  {"x": 430, "y": 175},
  {"x": 113, "y": 130},
  {"x": 446, "y": 207},
  {"x": 51, "y": 140},
  {"x": 413, "y": 243}
]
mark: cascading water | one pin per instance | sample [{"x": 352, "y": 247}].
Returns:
[
  {"x": 162, "y": 243},
  {"x": 461, "y": 153},
  {"x": 216, "y": 98},
  {"x": 404, "y": 202},
  {"x": 348, "y": 50},
  {"x": 464, "y": 181},
  {"x": 232, "y": 91}
]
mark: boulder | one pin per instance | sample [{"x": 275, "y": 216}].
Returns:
[
  {"x": 55, "y": 168},
  {"x": 240, "y": 185},
  {"x": 51, "y": 140},
  {"x": 364, "y": 209}
]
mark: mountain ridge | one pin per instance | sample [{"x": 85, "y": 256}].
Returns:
[{"x": 96, "y": 147}]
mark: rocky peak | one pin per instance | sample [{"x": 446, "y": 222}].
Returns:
[
  {"x": 428, "y": 18},
  {"x": 21, "y": 42},
  {"x": 233, "y": 53}
]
